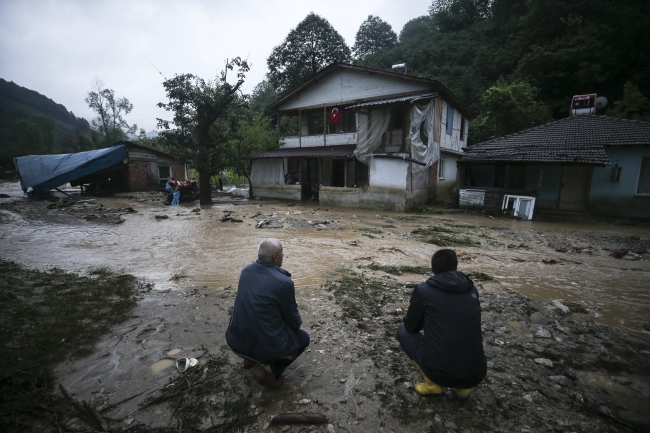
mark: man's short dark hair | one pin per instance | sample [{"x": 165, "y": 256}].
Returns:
[{"x": 444, "y": 261}]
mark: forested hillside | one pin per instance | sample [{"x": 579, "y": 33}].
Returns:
[
  {"x": 514, "y": 61},
  {"x": 33, "y": 123}
]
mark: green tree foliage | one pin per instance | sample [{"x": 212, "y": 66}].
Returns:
[
  {"x": 48, "y": 126},
  {"x": 562, "y": 48},
  {"x": 453, "y": 15},
  {"x": 30, "y": 137},
  {"x": 311, "y": 46},
  {"x": 203, "y": 119},
  {"x": 264, "y": 94},
  {"x": 374, "y": 35},
  {"x": 507, "y": 108},
  {"x": 110, "y": 122},
  {"x": 22, "y": 113},
  {"x": 633, "y": 105},
  {"x": 254, "y": 135}
]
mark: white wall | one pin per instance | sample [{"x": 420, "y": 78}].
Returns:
[
  {"x": 388, "y": 173},
  {"x": 345, "y": 86},
  {"x": 317, "y": 140}
]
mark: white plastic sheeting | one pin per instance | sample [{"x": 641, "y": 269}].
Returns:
[
  {"x": 371, "y": 125},
  {"x": 268, "y": 171},
  {"x": 427, "y": 151}
]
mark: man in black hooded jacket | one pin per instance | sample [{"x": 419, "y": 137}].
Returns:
[{"x": 447, "y": 308}]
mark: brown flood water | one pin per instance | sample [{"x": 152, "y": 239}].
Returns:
[{"x": 206, "y": 252}]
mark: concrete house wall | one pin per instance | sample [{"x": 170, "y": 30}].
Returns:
[{"x": 610, "y": 198}]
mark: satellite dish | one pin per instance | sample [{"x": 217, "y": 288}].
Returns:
[{"x": 601, "y": 102}]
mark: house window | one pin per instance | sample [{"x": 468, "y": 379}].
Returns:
[
  {"x": 164, "y": 172},
  {"x": 450, "y": 119},
  {"x": 315, "y": 123},
  {"x": 441, "y": 169},
  {"x": 462, "y": 128},
  {"x": 643, "y": 185},
  {"x": 616, "y": 174}
]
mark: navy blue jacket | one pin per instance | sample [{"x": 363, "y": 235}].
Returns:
[
  {"x": 447, "y": 307},
  {"x": 265, "y": 319}
]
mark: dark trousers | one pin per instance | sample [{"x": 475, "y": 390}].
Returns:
[
  {"x": 280, "y": 365},
  {"x": 412, "y": 344}
]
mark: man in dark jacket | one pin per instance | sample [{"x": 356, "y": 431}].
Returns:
[
  {"x": 265, "y": 323},
  {"x": 447, "y": 308}
]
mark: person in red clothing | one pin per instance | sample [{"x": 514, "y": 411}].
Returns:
[{"x": 447, "y": 308}]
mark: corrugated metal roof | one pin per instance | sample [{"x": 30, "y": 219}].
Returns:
[
  {"x": 311, "y": 152},
  {"x": 577, "y": 139},
  {"x": 410, "y": 98}
]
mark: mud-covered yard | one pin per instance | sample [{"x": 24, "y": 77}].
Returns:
[{"x": 549, "y": 292}]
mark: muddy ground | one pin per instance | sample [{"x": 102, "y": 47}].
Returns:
[{"x": 550, "y": 295}]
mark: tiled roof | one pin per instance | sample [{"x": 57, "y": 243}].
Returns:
[
  {"x": 311, "y": 152},
  {"x": 577, "y": 139}
]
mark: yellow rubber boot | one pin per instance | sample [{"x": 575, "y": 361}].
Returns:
[
  {"x": 461, "y": 393},
  {"x": 427, "y": 387}
]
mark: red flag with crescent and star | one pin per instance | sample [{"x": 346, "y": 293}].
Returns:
[{"x": 335, "y": 116}]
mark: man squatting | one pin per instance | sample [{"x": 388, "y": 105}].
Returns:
[{"x": 265, "y": 324}]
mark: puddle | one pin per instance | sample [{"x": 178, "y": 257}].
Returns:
[
  {"x": 174, "y": 352},
  {"x": 162, "y": 365}
]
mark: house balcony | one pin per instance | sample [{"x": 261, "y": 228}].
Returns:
[{"x": 318, "y": 140}]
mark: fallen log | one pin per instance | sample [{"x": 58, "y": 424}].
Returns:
[{"x": 299, "y": 418}]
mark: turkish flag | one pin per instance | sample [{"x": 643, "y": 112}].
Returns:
[{"x": 335, "y": 116}]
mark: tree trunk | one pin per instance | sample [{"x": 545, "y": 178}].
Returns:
[{"x": 205, "y": 194}]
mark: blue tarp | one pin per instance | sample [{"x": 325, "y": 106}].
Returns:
[{"x": 44, "y": 172}]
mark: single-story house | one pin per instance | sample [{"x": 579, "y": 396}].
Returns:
[
  {"x": 124, "y": 167},
  {"x": 583, "y": 163},
  {"x": 366, "y": 138}
]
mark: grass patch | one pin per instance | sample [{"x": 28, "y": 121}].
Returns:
[
  {"x": 444, "y": 237},
  {"x": 369, "y": 230},
  {"x": 399, "y": 270},
  {"x": 47, "y": 317}
]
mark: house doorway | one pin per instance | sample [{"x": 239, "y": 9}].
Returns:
[
  {"x": 338, "y": 173},
  {"x": 574, "y": 188},
  {"x": 309, "y": 178}
]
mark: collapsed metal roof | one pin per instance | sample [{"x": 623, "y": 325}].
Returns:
[{"x": 411, "y": 99}]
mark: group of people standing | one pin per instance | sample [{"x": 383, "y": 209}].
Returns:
[{"x": 441, "y": 331}]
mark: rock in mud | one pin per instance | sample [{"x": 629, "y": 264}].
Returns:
[
  {"x": 543, "y": 333},
  {"x": 544, "y": 361},
  {"x": 538, "y": 318}
]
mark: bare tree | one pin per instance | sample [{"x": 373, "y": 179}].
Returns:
[{"x": 110, "y": 122}]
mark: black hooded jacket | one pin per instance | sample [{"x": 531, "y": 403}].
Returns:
[{"x": 447, "y": 307}]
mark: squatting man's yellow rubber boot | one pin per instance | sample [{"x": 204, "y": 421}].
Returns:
[
  {"x": 461, "y": 392},
  {"x": 428, "y": 387}
]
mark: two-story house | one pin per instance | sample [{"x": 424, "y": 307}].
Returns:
[{"x": 366, "y": 138}]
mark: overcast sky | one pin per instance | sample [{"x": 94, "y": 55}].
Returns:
[{"x": 57, "y": 47}]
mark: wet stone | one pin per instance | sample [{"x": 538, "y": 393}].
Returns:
[
  {"x": 544, "y": 361},
  {"x": 538, "y": 318},
  {"x": 542, "y": 333},
  {"x": 452, "y": 425}
]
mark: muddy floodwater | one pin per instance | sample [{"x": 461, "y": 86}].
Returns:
[
  {"x": 164, "y": 363},
  {"x": 188, "y": 244}
]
